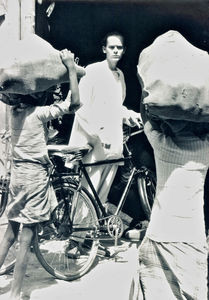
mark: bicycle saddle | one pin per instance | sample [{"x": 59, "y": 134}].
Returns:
[{"x": 65, "y": 149}]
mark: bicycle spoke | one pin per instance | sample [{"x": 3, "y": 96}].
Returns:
[{"x": 68, "y": 248}]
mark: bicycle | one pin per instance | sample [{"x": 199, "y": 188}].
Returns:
[
  {"x": 67, "y": 246},
  {"x": 4, "y": 189},
  {"x": 52, "y": 238},
  {"x": 4, "y": 179}
]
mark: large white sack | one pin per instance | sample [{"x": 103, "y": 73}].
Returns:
[
  {"x": 31, "y": 65},
  {"x": 174, "y": 76}
]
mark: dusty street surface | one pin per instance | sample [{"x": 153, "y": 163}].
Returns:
[{"x": 109, "y": 279}]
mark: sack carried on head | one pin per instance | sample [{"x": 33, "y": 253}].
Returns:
[
  {"x": 31, "y": 65},
  {"x": 174, "y": 76}
]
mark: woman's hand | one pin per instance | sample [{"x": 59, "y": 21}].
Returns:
[{"x": 133, "y": 119}]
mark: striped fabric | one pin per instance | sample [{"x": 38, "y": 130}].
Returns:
[
  {"x": 181, "y": 163},
  {"x": 170, "y": 271},
  {"x": 173, "y": 254}
]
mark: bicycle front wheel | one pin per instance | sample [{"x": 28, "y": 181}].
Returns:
[
  {"x": 146, "y": 183},
  {"x": 67, "y": 246}
]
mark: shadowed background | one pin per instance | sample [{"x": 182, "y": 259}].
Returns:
[{"x": 80, "y": 26}]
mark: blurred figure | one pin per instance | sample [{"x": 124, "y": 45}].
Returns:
[
  {"x": 31, "y": 197},
  {"x": 173, "y": 254}
]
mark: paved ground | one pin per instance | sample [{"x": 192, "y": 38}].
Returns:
[{"x": 109, "y": 279}]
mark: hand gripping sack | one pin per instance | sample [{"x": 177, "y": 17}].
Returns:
[
  {"x": 174, "y": 76},
  {"x": 31, "y": 65}
]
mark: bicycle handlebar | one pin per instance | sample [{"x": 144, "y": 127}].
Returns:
[
  {"x": 137, "y": 132},
  {"x": 140, "y": 125},
  {"x": 127, "y": 131}
]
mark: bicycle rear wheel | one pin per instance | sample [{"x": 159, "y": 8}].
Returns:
[
  {"x": 4, "y": 188},
  {"x": 10, "y": 260},
  {"x": 146, "y": 183},
  {"x": 67, "y": 246}
]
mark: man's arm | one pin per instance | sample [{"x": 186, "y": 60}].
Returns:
[
  {"x": 72, "y": 101},
  {"x": 68, "y": 60}
]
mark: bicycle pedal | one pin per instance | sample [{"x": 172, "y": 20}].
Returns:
[{"x": 103, "y": 251}]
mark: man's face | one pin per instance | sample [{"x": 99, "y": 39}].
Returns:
[{"x": 114, "y": 49}]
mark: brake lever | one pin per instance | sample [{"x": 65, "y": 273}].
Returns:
[{"x": 139, "y": 124}]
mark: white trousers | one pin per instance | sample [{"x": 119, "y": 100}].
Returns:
[{"x": 102, "y": 178}]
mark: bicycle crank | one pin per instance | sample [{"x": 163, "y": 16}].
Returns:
[{"x": 115, "y": 227}]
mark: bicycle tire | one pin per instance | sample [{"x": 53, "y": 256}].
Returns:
[
  {"x": 146, "y": 184},
  {"x": 10, "y": 259},
  {"x": 51, "y": 248}
]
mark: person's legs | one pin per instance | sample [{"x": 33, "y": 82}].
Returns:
[
  {"x": 102, "y": 178},
  {"x": 95, "y": 175},
  {"x": 106, "y": 180},
  {"x": 8, "y": 240},
  {"x": 26, "y": 237}
]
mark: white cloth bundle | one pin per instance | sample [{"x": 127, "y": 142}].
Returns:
[
  {"x": 174, "y": 76},
  {"x": 31, "y": 65}
]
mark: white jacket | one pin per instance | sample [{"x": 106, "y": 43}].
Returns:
[{"x": 99, "y": 121}]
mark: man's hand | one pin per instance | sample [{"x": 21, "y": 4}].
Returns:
[
  {"x": 67, "y": 58},
  {"x": 133, "y": 119}
]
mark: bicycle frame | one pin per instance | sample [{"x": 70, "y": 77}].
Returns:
[
  {"x": 79, "y": 170},
  {"x": 83, "y": 168},
  {"x": 82, "y": 171}
]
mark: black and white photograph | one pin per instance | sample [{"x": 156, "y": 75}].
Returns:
[{"x": 104, "y": 149}]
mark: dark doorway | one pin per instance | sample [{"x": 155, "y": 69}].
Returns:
[{"x": 80, "y": 26}]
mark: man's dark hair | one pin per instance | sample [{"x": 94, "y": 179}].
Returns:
[{"x": 112, "y": 33}]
